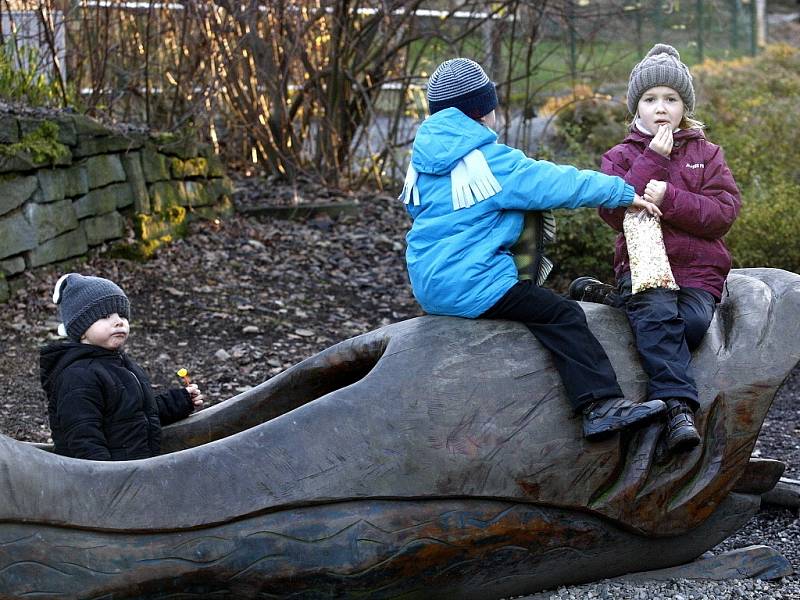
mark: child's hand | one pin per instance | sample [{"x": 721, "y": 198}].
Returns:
[
  {"x": 195, "y": 395},
  {"x": 654, "y": 191},
  {"x": 662, "y": 140},
  {"x": 642, "y": 204}
]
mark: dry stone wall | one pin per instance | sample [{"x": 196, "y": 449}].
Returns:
[{"x": 68, "y": 183}]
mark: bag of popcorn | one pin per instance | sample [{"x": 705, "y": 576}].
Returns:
[{"x": 649, "y": 263}]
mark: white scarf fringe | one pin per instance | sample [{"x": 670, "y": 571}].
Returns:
[
  {"x": 471, "y": 181},
  {"x": 410, "y": 192}
]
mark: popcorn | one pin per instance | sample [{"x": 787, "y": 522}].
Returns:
[{"x": 649, "y": 263}]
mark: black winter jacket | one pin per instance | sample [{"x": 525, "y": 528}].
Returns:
[{"x": 101, "y": 405}]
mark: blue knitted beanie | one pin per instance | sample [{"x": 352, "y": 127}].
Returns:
[{"x": 463, "y": 84}]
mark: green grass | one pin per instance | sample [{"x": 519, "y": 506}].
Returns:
[{"x": 606, "y": 57}]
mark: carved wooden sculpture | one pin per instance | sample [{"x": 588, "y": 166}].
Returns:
[{"x": 435, "y": 457}]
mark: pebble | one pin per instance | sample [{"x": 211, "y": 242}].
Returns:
[{"x": 678, "y": 589}]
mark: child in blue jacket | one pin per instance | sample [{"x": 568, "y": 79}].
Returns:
[{"x": 467, "y": 194}]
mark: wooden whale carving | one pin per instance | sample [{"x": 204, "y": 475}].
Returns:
[{"x": 436, "y": 457}]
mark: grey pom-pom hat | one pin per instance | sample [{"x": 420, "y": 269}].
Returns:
[
  {"x": 83, "y": 299},
  {"x": 661, "y": 66}
]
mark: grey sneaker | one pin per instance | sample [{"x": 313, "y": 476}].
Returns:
[
  {"x": 610, "y": 415},
  {"x": 589, "y": 289}
]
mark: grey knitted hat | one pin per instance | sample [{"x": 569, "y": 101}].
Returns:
[
  {"x": 82, "y": 300},
  {"x": 463, "y": 84},
  {"x": 661, "y": 66}
]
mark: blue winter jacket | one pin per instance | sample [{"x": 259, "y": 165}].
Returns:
[{"x": 458, "y": 260}]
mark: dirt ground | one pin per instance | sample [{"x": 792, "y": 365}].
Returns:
[{"x": 235, "y": 302}]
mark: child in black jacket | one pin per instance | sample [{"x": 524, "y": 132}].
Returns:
[{"x": 100, "y": 402}]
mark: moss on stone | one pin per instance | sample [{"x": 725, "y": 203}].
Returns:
[
  {"x": 41, "y": 145},
  {"x": 152, "y": 232}
]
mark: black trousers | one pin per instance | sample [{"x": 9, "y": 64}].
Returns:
[
  {"x": 560, "y": 326},
  {"x": 667, "y": 326}
]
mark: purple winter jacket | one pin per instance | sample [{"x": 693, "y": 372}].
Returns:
[{"x": 699, "y": 206}]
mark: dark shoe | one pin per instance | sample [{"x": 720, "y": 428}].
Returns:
[
  {"x": 607, "y": 416},
  {"x": 589, "y": 289},
  {"x": 681, "y": 433}
]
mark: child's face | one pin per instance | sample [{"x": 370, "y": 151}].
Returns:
[
  {"x": 110, "y": 332},
  {"x": 660, "y": 106}
]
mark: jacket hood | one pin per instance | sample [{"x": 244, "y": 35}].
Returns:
[
  {"x": 56, "y": 357},
  {"x": 682, "y": 136},
  {"x": 446, "y": 137}
]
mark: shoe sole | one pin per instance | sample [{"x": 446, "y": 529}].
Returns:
[
  {"x": 646, "y": 412},
  {"x": 683, "y": 442}
]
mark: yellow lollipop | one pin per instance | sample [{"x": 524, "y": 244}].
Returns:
[{"x": 184, "y": 376}]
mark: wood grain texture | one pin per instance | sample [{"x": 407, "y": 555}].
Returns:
[
  {"x": 424, "y": 549},
  {"x": 433, "y": 408}
]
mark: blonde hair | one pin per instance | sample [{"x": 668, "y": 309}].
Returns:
[{"x": 690, "y": 123}]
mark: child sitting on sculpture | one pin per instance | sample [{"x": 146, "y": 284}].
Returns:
[
  {"x": 668, "y": 160},
  {"x": 467, "y": 194},
  {"x": 100, "y": 402}
]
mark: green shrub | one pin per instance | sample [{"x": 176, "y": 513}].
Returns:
[
  {"x": 585, "y": 129},
  {"x": 766, "y": 232},
  {"x": 21, "y": 80},
  {"x": 584, "y": 246},
  {"x": 749, "y": 106},
  {"x": 750, "y": 109},
  {"x": 41, "y": 144}
]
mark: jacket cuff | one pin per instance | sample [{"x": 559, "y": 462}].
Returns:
[
  {"x": 658, "y": 159},
  {"x": 627, "y": 195},
  {"x": 188, "y": 401},
  {"x": 668, "y": 203}
]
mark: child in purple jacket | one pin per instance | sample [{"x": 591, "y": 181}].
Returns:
[{"x": 668, "y": 161}]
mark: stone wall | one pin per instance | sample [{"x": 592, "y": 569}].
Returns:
[{"x": 68, "y": 183}]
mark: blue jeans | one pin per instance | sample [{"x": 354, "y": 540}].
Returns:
[{"x": 667, "y": 326}]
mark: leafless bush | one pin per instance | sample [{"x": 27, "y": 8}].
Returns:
[{"x": 318, "y": 88}]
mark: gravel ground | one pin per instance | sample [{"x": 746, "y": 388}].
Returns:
[{"x": 238, "y": 301}]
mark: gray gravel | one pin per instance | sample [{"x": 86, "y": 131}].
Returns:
[{"x": 679, "y": 589}]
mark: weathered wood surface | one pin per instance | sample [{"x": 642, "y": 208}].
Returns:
[
  {"x": 760, "y": 475},
  {"x": 420, "y": 549},
  {"x": 759, "y": 562},
  {"x": 433, "y": 408},
  {"x": 786, "y": 493}
]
